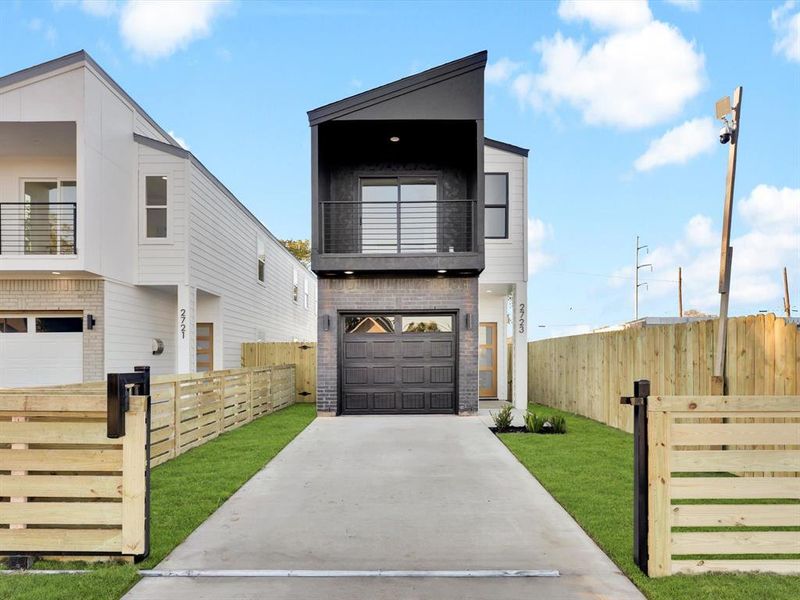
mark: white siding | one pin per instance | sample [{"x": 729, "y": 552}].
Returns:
[
  {"x": 163, "y": 262},
  {"x": 506, "y": 259},
  {"x": 134, "y": 316},
  {"x": 222, "y": 261}
]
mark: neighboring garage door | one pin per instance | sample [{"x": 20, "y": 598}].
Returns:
[
  {"x": 398, "y": 364},
  {"x": 44, "y": 349}
]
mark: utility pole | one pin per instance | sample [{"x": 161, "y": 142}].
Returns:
[
  {"x": 636, "y": 284},
  {"x": 729, "y": 133},
  {"x": 680, "y": 293},
  {"x": 787, "y": 307}
]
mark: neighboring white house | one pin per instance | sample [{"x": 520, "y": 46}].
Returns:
[
  {"x": 503, "y": 285},
  {"x": 119, "y": 248}
]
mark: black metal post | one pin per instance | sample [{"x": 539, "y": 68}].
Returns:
[{"x": 641, "y": 390}]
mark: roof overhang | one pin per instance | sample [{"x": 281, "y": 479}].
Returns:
[{"x": 505, "y": 146}]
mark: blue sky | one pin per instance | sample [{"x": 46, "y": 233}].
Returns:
[{"x": 615, "y": 101}]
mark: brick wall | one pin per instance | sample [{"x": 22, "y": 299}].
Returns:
[
  {"x": 85, "y": 295},
  {"x": 397, "y": 294}
]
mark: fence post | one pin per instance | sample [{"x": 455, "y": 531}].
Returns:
[
  {"x": 176, "y": 417},
  {"x": 641, "y": 390},
  {"x": 659, "y": 547}
]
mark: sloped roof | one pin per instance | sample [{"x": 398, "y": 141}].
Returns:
[
  {"x": 506, "y": 146},
  {"x": 74, "y": 58},
  {"x": 395, "y": 89}
]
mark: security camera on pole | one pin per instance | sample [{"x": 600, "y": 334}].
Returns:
[{"x": 729, "y": 134}]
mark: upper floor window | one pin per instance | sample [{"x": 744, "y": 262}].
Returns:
[
  {"x": 496, "y": 211},
  {"x": 262, "y": 259},
  {"x": 155, "y": 206},
  {"x": 295, "y": 287},
  {"x": 306, "y": 299}
]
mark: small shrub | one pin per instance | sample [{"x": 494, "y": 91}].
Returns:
[
  {"x": 545, "y": 424},
  {"x": 502, "y": 418}
]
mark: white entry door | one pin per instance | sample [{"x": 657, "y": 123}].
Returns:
[{"x": 38, "y": 350}]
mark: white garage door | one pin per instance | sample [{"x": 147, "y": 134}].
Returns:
[{"x": 42, "y": 349}]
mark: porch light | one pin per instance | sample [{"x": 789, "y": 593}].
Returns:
[
  {"x": 442, "y": 271},
  {"x": 394, "y": 139},
  {"x": 348, "y": 272},
  {"x": 56, "y": 272}
]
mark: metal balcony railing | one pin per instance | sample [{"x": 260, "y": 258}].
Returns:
[
  {"x": 410, "y": 227},
  {"x": 37, "y": 228}
]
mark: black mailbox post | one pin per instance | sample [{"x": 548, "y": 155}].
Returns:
[{"x": 119, "y": 388}]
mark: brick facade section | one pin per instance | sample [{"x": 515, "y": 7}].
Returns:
[
  {"x": 397, "y": 293},
  {"x": 83, "y": 295}
]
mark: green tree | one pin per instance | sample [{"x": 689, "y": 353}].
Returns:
[{"x": 300, "y": 249}]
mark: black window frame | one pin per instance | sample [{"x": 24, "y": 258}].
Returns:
[{"x": 496, "y": 206}]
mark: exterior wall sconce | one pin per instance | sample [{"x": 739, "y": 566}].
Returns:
[
  {"x": 326, "y": 322},
  {"x": 158, "y": 347},
  {"x": 90, "y": 321},
  {"x": 468, "y": 322}
]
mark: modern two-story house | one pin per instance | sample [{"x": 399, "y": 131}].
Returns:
[
  {"x": 118, "y": 247},
  {"x": 419, "y": 245}
]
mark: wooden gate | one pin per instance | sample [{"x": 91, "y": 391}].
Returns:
[
  {"x": 720, "y": 485},
  {"x": 65, "y": 486}
]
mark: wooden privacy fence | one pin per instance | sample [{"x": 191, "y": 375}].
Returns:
[
  {"x": 586, "y": 374},
  {"x": 302, "y": 355},
  {"x": 701, "y": 516},
  {"x": 64, "y": 485},
  {"x": 189, "y": 410}
]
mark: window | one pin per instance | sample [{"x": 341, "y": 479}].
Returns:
[
  {"x": 262, "y": 259},
  {"x": 14, "y": 325},
  {"x": 369, "y": 324},
  {"x": 59, "y": 324},
  {"x": 155, "y": 205},
  {"x": 411, "y": 199},
  {"x": 305, "y": 294},
  {"x": 46, "y": 220},
  {"x": 496, "y": 211},
  {"x": 295, "y": 287},
  {"x": 427, "y": 323}
]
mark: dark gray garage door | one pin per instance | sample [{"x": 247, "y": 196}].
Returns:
[{"x": 398, "y": 363}]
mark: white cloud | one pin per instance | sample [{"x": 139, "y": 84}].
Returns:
[
  {"x": 769, "y": 219},
  {"x": 178, "y": 139},
  {"x": 500, "y": 71},
  {"x": 97, "y": 8},
  {"x": 539, "y": 232},
  {"x": 680, "y": 144},
  {"x": 630, "y": 78},
  {"x": 156, "y": 29},
  {"x": 47, "y": 31},
  {"x": 608, "y": 14},
  {"x": 690, "y": 5},
  {"x": 786, "y": 25}
]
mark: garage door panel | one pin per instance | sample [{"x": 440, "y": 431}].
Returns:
[
  {"x": 34, "y": 358},
  {"x": 391, "y": 371}
]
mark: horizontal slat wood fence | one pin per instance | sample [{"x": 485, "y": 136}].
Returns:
[
  {"x": 587, "y": 374},
  {"x": 681, "y": 471},
  {"x": 64, "y": 485},
  {"x": 302, "y": 355}
]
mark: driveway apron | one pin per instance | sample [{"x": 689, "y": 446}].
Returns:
[{"x": 391, "y": 493}]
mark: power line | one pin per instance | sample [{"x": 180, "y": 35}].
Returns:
[{"x": 564, "y": 272}]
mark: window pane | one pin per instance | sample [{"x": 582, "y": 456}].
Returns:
[
  {"x": 14, "y": 325},
  {"x": 418, "y": 216},
  {"x": 495, "y": 223},
  {"x": 418, "y": 191},
  {"x": 369, "y": 324},
  {"x": 41, "y": 191},
  {"x": 155, "y": 190},
  {"x": 379, "y": 216},
  {"x": 496, "y": 188},
  {"x": 156, "y": 222},
  {"x": 69, "y": 191},
  {"x": 59, "y": 324},
  {"x": 427, "y": 324}
]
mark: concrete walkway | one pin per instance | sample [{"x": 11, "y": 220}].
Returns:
[{"x": 393, "y": 493}]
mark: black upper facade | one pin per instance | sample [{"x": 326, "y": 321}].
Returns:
[{"x": 397, "y": 176}]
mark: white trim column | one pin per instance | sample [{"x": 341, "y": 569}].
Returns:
[
  {"x": 520, "y": 349},
  {"x": 185, "y": 348}
]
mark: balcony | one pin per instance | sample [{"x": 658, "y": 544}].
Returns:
[
  {"x": 37, "y": 228},
  {"x": 381, "y": 228}
]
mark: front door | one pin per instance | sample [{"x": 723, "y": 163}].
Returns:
[
  {"x": 487, "y": 360},
  {"x": 205, "y": 347}
]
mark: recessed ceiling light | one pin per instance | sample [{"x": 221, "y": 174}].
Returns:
[
  {"x": 394, "y": 138},
  {"x": 164, "y": 177},
  {"x": 490, "y": 291},
  {"x": 56, "y": 272},
  {"x": 348, "y": 272},
  {"x": 442, "y": 271}
]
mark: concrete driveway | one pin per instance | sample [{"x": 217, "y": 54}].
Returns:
[{"x": 391, "y": 493}]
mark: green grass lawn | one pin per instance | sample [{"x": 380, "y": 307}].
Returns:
[
  {"x": 589, "y": 471},
  {"x": 184, "y": 492}
]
